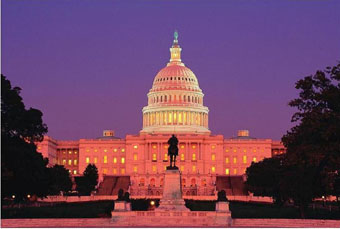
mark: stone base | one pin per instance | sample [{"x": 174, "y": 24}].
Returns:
[
  {"x": 122, "y": 206},
  {"x": 171, "y": 219},
  {"x": 222, "y": 206}
]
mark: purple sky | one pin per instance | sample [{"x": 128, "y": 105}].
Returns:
[{"x": 88, "y": 65}]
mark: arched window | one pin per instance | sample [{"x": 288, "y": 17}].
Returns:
[
  {"x": 165, "y": 98},
  {"x": 142, "y": 182},
  {"x": 157, "y": 99},
  {"x": 161, "y": 98},
  {"x": 204, "y": 182},
  {"x": 183, "y": 182},
  {"x": 188, "y": 193},
  {"x": 184, "y": 98},
  {"x": 152, "y": 182},
  {"x": 188, "y": 98},
  {"x": 161, "y": 182},
  {"x": 193, "y": 182}
]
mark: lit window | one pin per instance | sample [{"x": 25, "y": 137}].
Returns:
[
  {"x": 235, "y": 171},
  {"x": 104, "y": 171},
  {"x": 244, "y": 150},
  {"x": 87, "y": 150},
  {"x": 245, "y": 159},
  {"x": 165, "y": 147},
  {"x": 154, "y": 157},
  {"x": 114, "y": 150},
  {"x": 194, "y": 157},
  {"x": 87, "y": 160},
  {"x": 105, "y": 159},
  {"x": 164, "y": 167},
  {"x": 75, "y": 152},
  {"x": 95, "y": 150},
  {"x": 69, "y": 152},
  {"x": 135, "y": 169},
  {"x": 154, "y": 146},
  {"x": 213, "y": 146},
  {"x": 75, "y": 162},
  {"x": 105, "y": 150},
  {"x": 135, "y": 157},
  {"x": 64, "y": 152},
  {"x": 75, "y": 172},
  {"x": 182, "y": 157},
  {"x": 227, "y": 160},
  {"x": 213, "y": 157},
  {"x": 234, "y": 150},
  {"x": 154, "y": 168},
  {"x": 122, "y": 171},
  {"x": 227, "y": 150},
  {"x": 235, "y": 160},
  {"x": 64, "y": 161},
  {"x": 135, "y": 147},
  {"x": 194, "y": 168},
  {"x": 182, "y": 146},
  {"x": 114, "y": 171},
  {"x": 95, "y": 160},
  {"x": 182, "y": 168},
  {"x": 227, "y": 171},
  {"x": 254, "y": 159},
  {"x": 69, "y": 162},
  {"x": 114, "y": 160},
  {"x": 123, "y": 160},
  {"x": 254, "y": 150},
  {"x": 123, "y": 150},
  {"x": 194, "y": 147},
  {"x": 213, "y": 169},
  {"x": 165, "y": 156}
]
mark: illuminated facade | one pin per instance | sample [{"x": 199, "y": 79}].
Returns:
[{"x": 175, "y": 105}]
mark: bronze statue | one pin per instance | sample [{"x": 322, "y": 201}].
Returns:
[{"x": 173, "y": 151}]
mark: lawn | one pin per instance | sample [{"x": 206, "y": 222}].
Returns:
[{"x": 103, "y": 209}]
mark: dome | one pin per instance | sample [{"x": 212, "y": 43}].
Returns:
[
  {"x": 175, "y": 77},
  {"x": 175, "y": 100}
]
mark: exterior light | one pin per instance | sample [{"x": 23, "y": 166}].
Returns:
[
  {"x": 13, "y": 196},
  {"x": 28, "y": 196},
  {"x": 152, "y": 203}
]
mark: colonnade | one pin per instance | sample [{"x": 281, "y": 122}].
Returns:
[{"x": 161, "y": 118}]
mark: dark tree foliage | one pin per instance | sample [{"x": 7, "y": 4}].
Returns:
[
  {"x": 313, "y": 145},
  {"x": 87, "y": 183},
  {"x": 60, "y": 180},
  {"x": 23, "y": 168},
  {"x": 263, "y": 178}
]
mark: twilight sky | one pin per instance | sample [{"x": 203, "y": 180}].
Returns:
[{"x": 88, "y": 65}]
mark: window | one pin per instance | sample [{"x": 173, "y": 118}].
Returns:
[
  {"x": 194, "y": 168},
  {"x": 104, "y": 171},
  {"x": 105, "y": 159},
  {"x": 213, "y": 169},
  {"x": 135, "y": 169},
  {"x": 114, "y": 160},
  {"x": 123, "y": 150},
  {"x": 122, "y": 171},
  {"x": 64, "y": 161},
  {"x": 227, "y": 150},
  {"x": 234, "y": 150},
  {"x": 154, "y": 168},
  {"x": 75, "y": 162},
  {"x": 183, "y": 182},
  {"x": 153, "y": 182},
  {"x": 194, "y": 157},
  {"x": 122, "y": 160},
  {"x": 95, "y": 150},
  {"x": 87, "y": 160},
  {"x": 227, "y": 160},
  {"x": 235, "y": 160},
  {"x": 135, "y": 157},
  {"x": 213, "y": 157},
  {"x": 154, "y": 146},
  {"x": 245, "y": 159},
  {"x": 75, "y": 152},
  {"x": 154, "y": 157},
  {"x": 95, "y": 160},
  {"x": 182, "y": 157},
  {"x": 114, "y": 150},
  {"x": 213, "y": 146},
  {"x": 69, "y": 152},
  {"x": 182, "y": 168},
  {"x": 135, "y": 147},
  {"x": 105, "y": 150},
  {"x": 165, "y": 157},
  {"x": 75, "y": 172},
  {"x": 227, "y": 171},
  {"x": 182, "y": 146},
  {"x": 204, "y": 182},
  {"x": 194, "y": 146},
  {"x": 69, "y": 162},
  {"x": 235, "y": 171},
  {"x": 114, "y": 171},
  {"x": 142, "y": 182},
  {"x": 254, "y": 159}
]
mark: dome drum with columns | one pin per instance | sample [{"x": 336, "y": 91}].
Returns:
[{"x": 175, "y": 101}]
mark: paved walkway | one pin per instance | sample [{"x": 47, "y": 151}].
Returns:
[{"x": 106, "y": 222}]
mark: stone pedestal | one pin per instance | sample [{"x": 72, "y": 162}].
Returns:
[
  {"x": 122, "y": 206},
  {"x": 222, "y": 206},
  {"x": 172, "y": 193}
]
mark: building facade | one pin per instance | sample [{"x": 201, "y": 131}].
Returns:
[{"x": 175, "y": 105}]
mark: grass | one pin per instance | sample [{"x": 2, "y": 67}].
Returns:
[{"x": 99, "y": 209}]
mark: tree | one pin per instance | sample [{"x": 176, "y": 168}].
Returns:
[
  {"x": 60, "y": 180},
  {"x": 264, "y": 178},
  {"x": 313, "y": 145},
  {"x": 24, "y": 170},
  {"x": 87, "y": 183}
]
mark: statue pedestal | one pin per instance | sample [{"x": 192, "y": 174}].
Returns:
[{"x": 172, "y": 193}]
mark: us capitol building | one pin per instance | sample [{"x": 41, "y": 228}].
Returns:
[{"x": 137, "y": 163}]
